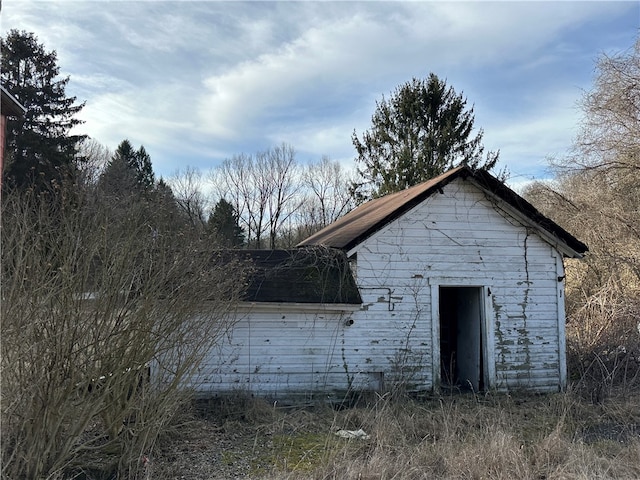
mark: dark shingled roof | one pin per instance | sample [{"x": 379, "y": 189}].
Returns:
[
  {"x": 368, "y": 218},
  {"x": 304, "y": 275}
]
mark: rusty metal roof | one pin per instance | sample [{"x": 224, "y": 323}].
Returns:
[{"x": 368, "y": 218}]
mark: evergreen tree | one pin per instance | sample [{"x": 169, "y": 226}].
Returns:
[
  {"x": 41, "y": 152},
  {"x": 423, "y": 130},
  {"x": 223, "y": 225},
  {"x": 140, "y": 162},
  {"x": 165, "y": 214},
  {"x": 129, "y": 172}
]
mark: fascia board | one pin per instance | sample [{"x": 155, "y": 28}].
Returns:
[
  {"x": 297, "y": 307},
  {"x": 547, "y": 236}
]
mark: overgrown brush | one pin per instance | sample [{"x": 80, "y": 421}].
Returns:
[
  {"x": 103, "y": 319},
  {"x": 603, "y": 344},
  {"x": 596, "y": 194}
]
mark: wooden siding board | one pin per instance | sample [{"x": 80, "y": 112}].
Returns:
[
  {"x": 497, "y": 254},
  {"x": 329, "y": 386},
  {"x": 562, "y": 353},
  {"x": 543, "y": 272}
]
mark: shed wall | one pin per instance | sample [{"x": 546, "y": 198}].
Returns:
[
  {"x": 458, "y": 237},
  {"x": 280, "y": 353}
]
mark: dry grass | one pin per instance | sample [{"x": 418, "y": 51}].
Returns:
[{"x": 494, "y": 436}]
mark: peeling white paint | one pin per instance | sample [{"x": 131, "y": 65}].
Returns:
[{"x": 460, "y": 238}]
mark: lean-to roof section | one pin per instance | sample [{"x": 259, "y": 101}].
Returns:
[{"x": 306, "y": 275}]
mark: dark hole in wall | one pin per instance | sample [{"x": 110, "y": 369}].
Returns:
[{"x": 461, "y": 338}]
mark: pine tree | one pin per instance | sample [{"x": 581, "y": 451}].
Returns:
[
  {"x": 423, "y": 130},
  {"x": 141, "y": 163},
  {"x": 223, "y": 225},
  {"x": 165, "y": 215},
  {"x": 128, "y": 173},
  {"x": 41, "y": 151}
]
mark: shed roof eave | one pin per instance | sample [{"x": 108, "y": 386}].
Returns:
[
  {"x": 299, "y": 306},
  {"x": 10, "y": 105},
  {"x": 364, "y": 221},
  {"x": 553, "y": 234}
]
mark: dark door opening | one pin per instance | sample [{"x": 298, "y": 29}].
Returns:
[{"x": 461, "y": 338}]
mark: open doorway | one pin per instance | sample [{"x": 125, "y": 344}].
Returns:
[{"x": 461, "y": 337}]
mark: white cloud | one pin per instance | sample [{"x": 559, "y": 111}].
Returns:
[
  {"x": 366, "y": 49},
  {"x": 118, "y": 115},
  {"x": 297, "y": 73},
  {"x": 225, "y": 77}
]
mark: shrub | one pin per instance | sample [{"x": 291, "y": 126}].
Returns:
[{"x": 93, "y": 302}]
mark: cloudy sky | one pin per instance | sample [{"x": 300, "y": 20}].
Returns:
[{"x": 197, "y": 82}]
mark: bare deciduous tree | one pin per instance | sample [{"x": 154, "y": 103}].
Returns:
[
  {"x": 92, "y": 304},
  {"x": 327, "y": 195},
  {"x": 601, "y": 178},
  {"x": 94, "y": 156},
  {"x": 283, "y": 177},
  {"x": 235, "y": 180},
  {"x": 610, "y": 133},
  {"x": 186, "y": 186},
  {"x": 597, "y": 195},
  {"x": 263, "y": 190}
]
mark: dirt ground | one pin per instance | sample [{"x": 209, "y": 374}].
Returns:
[
  {"x": 547, "y": 437},
  {"x": 233, "y": 439}
]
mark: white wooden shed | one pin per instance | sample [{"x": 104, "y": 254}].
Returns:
[{"x": 460, "y": 283}]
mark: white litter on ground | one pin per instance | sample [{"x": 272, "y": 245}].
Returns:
[{"x": 361, "y": 434}]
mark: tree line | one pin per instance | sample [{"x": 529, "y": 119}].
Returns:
[{"x": 265, "y": 199}]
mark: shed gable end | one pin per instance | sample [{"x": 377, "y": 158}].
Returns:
[
  {"x": 462, "y": 216},
  {"x": 458, "y": 238}
]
